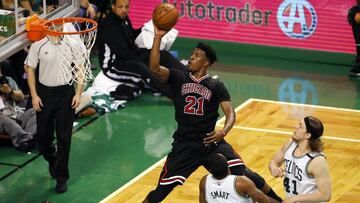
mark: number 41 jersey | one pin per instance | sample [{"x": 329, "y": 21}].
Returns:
[
  {"x": 196, "y": 103},
  {"x": 297, "y": 181}
]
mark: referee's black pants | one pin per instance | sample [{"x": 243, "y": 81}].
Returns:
[{"x": 56, "y": 114}]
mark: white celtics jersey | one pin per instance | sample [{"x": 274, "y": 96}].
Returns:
[
  {"x": 297, "y": 180},
  {"x": 223, "y": 191}
]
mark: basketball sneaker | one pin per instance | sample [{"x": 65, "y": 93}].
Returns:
[{"x": 61, "y": 187}]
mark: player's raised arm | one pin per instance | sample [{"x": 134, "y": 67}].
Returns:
[{"x": 162, "y": 73}]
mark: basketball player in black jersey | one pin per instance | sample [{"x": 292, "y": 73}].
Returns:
[{"x": 196, "y": 97}]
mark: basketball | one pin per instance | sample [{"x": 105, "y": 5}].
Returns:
[{"x": 165, "y": 16}]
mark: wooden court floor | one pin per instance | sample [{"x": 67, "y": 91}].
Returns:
[{"x": 261, "y": 128}]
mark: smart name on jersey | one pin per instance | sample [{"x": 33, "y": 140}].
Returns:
[{"x": 219, "y": 194}]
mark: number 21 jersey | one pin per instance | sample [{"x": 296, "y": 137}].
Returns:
[{"x": 196, "y": 103}]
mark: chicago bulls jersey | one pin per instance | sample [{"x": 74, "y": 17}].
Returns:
[{"x": 196, "y": 103}]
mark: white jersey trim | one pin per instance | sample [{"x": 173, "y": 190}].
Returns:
[
  {"x": 172, "y": 179},
  {"x": 235, "y": 162}
]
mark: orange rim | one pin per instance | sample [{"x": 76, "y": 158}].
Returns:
[{"x": 61, "y": 21}]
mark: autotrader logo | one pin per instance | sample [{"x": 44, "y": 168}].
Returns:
[{"x": 297, "y": 18}]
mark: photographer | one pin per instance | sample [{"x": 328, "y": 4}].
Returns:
[{"x": 19, "y": 124}]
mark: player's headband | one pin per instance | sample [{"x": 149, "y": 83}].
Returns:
[{"x": 315, "y": 132}]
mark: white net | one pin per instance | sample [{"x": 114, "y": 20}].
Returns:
[{"x": 73, "y": 50}]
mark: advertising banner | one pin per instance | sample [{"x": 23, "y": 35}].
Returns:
[{"x": 306, "y": 24}]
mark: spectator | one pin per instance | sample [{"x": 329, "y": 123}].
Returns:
[
  {"x": 18, "y": 123},
  {"x": 52, "y": 5},
  {"x": 29, "y": 6},
  {"x": 10, "y": 5},
  {"x": 87, "y": 9},
  {"x": 7, "y": 4},
  {"x": 14, "y": 68},
  {"x": 121, "y": 59}
]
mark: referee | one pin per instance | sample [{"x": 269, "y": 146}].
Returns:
[{"x": 55, "y": 102}]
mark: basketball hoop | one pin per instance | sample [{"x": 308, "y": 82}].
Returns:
[{"x": 73, "y": 38}]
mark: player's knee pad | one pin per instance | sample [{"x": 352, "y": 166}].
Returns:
[{"x": 256, "y": 178}]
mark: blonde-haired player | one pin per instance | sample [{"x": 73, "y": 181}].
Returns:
[{"x": 306, "y": 171}]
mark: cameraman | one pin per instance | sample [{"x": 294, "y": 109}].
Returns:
[{"x": 19, "y": 124}]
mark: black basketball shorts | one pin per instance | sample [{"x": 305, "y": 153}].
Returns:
[{"x": 186, "y": 156}]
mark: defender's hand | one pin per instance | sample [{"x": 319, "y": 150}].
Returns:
[{"x": 277, "y": 172}]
